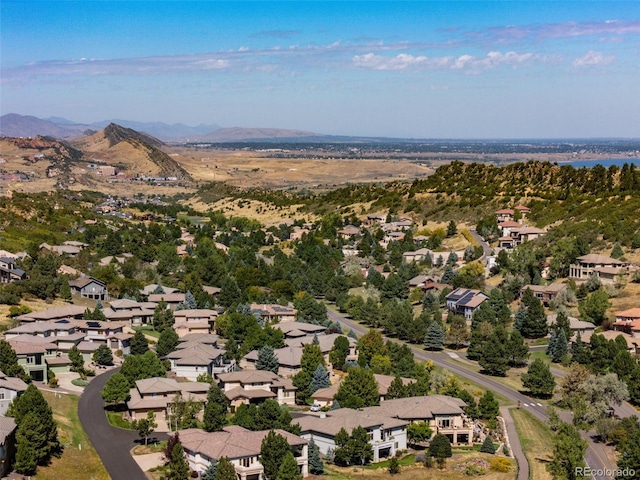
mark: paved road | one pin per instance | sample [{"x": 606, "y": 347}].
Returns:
[
  {"x": 486, "y": 248},
  {"x": 594, "y": 457},
  {"x": 112, "y": 444}
]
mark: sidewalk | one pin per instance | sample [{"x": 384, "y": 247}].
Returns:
[{"x": 515, "y": 445}]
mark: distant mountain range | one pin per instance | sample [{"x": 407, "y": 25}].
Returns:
[{"x": 14, "y": 125}]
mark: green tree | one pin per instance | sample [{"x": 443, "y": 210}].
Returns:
[
  {"x": 320, "y": 378},
  {"x": 494, "y": 356},
  {"x": 418, "y": 432},
  {"x": 440, "y": 446},
  {"x": 167, "y": 342},
  {"x": 396, "y": 389},
  {"x": 452, "y": 229},
  {"x": 215, "y": 410},
  {"x": 179, "y": 467},
  {"x": 226, "y": 470},
  {"x": 267, "y": 359},
  {"x": 316, "y": 465},
  {"x": 139, "y": 344},
  {"x": 77, "y": 361},
  {"x": 359, "y": 389},
  {"x": 593, "y": 308},
  {"x": 162, "y": 317},
  {"x": 568, "y": 453},
  {"x": 211, "y": 471},
  {"x": 488, "y": 406},
  {"x": 146, "y": 426},
  {"x": 539, "y": 380},
  {"x": 103, "y": 355},
  {"x": 116, "y": 390},
  {"x": 289, "y": 469},
  {"x": 434, "y": 340},
  {"x": 309, "y": 310},
  {"x": 9, "y": 360},
  {"x": 534, "y": 324},
  {"x": 517, "y": 350},
  {"x": 339, "y": 352},
  {"x": 562, "y": 323},
  {"x": 394, "y": 466},
  {"x": 359, "y": 446},
  {"x": 617, "y": 251},
  {"x": 371, "y": 344},
  {"x": 25, "y": 460},
  {"x": 273, "y": 449},
  {"x": 560, "y": 348},
  {"x": 488, "y": 446},
  {"x": 342, "y": 453},
  {"x": 138, "y": 367}
]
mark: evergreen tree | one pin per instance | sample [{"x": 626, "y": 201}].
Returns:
[
  {"x": 538, "y": 379},
  {"x": 440, "y": 446},
  {"x": 339, "y": 352},
  {"x": 517, "y": 351},
  {"x": 316, "y": 466},
  {"x": 534, "y": 324},
  {"x": 211, "y": 471},
  {"x": 359, "y": 389},
  {"x": 226, "y": 470},
  {"x": 320, "y": 379},
  {"x": 561, "y": 348},
  {"x": 452, "y": 229},
  {"x": 167, "y": 342},
  {"x": 568, "y": 453},
  {"x": 448, "y": 275},
  {"x": 25, "y": 460},
  {"x": 273, "y": 449},
  {"x": 289, "y": 468},
  {"x": 617, "y": 251},
  {"x": 102, "y": 355},
  {"x": 146, "y": 426},
  {"x": 178, "y": 467},
  {"x": 335, "y": 405},
  {"x": 471, "y": 409},
  {"x": 138, "y": 367},
  {"x": 138, "y": 345},
  {"x": 394, "y": 466},
  {"x": 488, "y": 406},
  {"x": 579, "y": 352},
  {"x": 9, "y": 360},
  {"x": 488, "y": 446},
  {"x": 116, "y": 390},
  {"x": 162, "y": 317},
  {"x": 551, "y": 346},
  {"x": 480, "y": 333},
  {"x": 494, "y": 357},
  {"x": 434, "y": 340},
  {"x": 396, "y": 389},
  {"x": 215, "y": 410},
  {"x": 267, "y": 359},
  {"x": 562, "y": 323},
  {"x": 520, "y": 316},
  {"x": 359, "y": 446}
]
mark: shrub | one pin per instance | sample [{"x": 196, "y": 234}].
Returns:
[
  {"x": 500, "y": 464},
  {"x": 53, "y": 382},
  {"x": 78, "y": 382},
  {"x": 90, "y": 373},
  {"x": 428, "y": 462},
  {"x": 488, "y": 446},
  {"x": 474, "y": 471}
]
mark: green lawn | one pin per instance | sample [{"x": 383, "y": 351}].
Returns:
[
  {"x": 79, "y": 459},
  {"x": 147, "y": 331}
]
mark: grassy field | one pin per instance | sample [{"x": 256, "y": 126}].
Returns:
[
  {"x": 74, "y": 463},
  {"x": 535, "y": 437},
  {"x": 454, "y": 470}
]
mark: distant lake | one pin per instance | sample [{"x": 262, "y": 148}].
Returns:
[{"x": 605, "y": 162}]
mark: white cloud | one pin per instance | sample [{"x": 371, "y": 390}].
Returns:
[
  {"x": 592, "y": 58},
  {"x": 401, "y": 61}
]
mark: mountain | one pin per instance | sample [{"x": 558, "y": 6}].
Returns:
[
  {"x": 14, "y": 125},
  {"x": 138, "y": 153},
  {"x": 236, "y": 134}
]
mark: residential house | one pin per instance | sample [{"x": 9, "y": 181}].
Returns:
[
  {"x": 171, "y": 299},
  {"x": 324, "y": 396},
  {"x": 545, "y": 293},
  {"x": 155, "y": 288},
  {"x": 69, "y": 271},
  {"x": 299, "y": 329},
  {"x": 524, "y": 211},
  {"x": 349, "y": 232},
  {"x": 524, "y": 234},
  {"x": 387, "y": 434},
  {"x": 255, "y": 386},
  {"x": 464, "y": 301},
  {"x": 417, "y": 255},
  {"x": 191, "y": 359},
  {"x": 585, "y": 329},
  {"x": 7, "y": 444},
  {"x": 375, "y": 219},
  {"x": 401, "y": 225},
  {"x": 505, "y": 215},
  {"x": 10, "y": 388},
  {"x": 70, "y": 250},
  {"x": 605, "y": 268},
  {"x": 56, "y": 313},
  {"x": 32, "y": 352},
  {"x": 105, "y": 261},
  {"x": 297, "y": 233},
  {"x": 89, "y": 287},
  {"x": 628, "y": 321},
  {"x": 130, "y": 311},
  {"x": 241, "y": 446},
  {"x": 633, "y": 343},
  {"x": 9, "y": 273},
  {"x": 274, "y": 313},
  {"x": 199, "y": 320},
  {"x": 158, "y": 394},
  {"x": 507, "y": 226}
]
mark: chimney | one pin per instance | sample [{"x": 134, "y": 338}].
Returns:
[{"x": 323, "y": 415}]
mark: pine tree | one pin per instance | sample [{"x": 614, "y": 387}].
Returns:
[
  {"x": 488, "y": 406},
  {"x": 289, "y": 468},
  {"x": 579, "y": 352},
  {"x": 316, "y": 466},
  {"x": 493, "y": 357},
  {"x": 434, "y": 340},
  {"x": 535, "y": 322},
  {"x": 359, "y": 389},
  {"x": 226, "y": 470},
  {"x": 561, "y": 348},
  {"x": 394, "y": 466},
  {"x": 178, "y": 467},
  {"x": 273, "y": 449},
  {"x": 396, "y": 389},
  {"x": 215, "y": 410},
  {"x": 520, "y": 316},
  {"x": 167, "y": 342},
  {"x": 103, "y": 355},
  {"x": 211, "y": 470},
  {"x": 25, "y": 460},
  {"x": 440, "y": 446},
  {"x": 116, "y": 390},
  {"x": 267, "y": 359},
  {"x": 448, "y": 275},
  {"x": 617, "y": 251},
  {"x": 320, "y": 379},
  {"x": 562, "y": 323},
  {"x": 488, "y": 446},
  {"x": 517, "y": 351},
  {"x": 551, "y": 346},
  {"x": 138, "y": 345},
  {"x": 339, "y": 352},
  {"x": 471, "y": 409},
  {"x": 539, "y": 379},
  {"x": 9, "y": 360}
]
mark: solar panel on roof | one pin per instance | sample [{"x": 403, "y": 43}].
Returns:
[{"x": 93, "y": 324}]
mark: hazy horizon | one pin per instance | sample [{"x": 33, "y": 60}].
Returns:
[{"x": 433, "y": 70}]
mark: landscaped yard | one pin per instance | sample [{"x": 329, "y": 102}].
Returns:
[
  {"x": 535, "y": 437},
  {"x": 75, "y": 462}
]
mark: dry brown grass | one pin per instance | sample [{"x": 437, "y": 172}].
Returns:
[{"x": 536, "y": 443}]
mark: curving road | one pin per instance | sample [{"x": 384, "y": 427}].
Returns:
[
  {"x": 112, "y": 444},
  {"x": 594, "y": 457}
]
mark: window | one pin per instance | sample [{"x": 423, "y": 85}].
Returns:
[
  {"x": 2, "y": 395},
  {"x": 246, "y": 462},
  {"x": 444, "y": 422},
  {"x": 31, "y": 360},
  {"x": 286, "y": 393}
]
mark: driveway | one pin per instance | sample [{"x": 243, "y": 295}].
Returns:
[{"x": 112, "y": 444}]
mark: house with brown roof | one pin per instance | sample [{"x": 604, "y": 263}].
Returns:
[
  {"x": 349, "y": 232},
  {"x": 191, "y": 359},
  {"x": 130, "y": 311},
  {"x": 9, "y": 272},
  {"x": 272, "y": 312},
  {"x": 524, "y": 234},
  {"x": 200, "y": 320},
  {"x": 255, "y": 386},
  {"x": 387, "y": 434},
  {"x": 605, "y": 268},
  {"x": 89, "y": 287},
  {"x": 505, "y": 215},
  {"x": 299, "y": 329},
  {"x": 159, "y": 394},
  {"x": 633, "y": 343},
  {"x": 56, "y": 313},
  {"x": 32, "y": 352},
  {"x": 172, "y": 299},
  {"x": 324, "y": 396},
  {"x": 241, "y": 446},
  {"x": 585, "y": 329},
  {"x": 465, "y": 301},
  {"x": 544, "y": 293},
  {"x": 628, "y": 321},
  {"x": 417, "y": 255}
]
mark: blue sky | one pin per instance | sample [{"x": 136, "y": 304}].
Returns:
[{"x": 492, "y": 69}]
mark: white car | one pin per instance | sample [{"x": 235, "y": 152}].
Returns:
[{"x": 315, "y": 407}]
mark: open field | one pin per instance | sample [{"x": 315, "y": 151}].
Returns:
[
  {"x": 536, "y": 443},
  {"x": 74, "y": 462}
]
